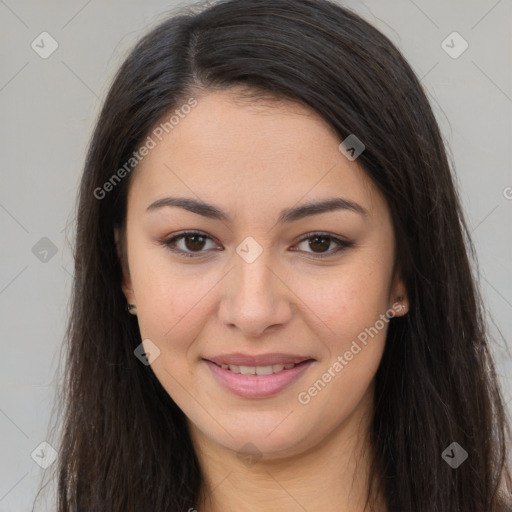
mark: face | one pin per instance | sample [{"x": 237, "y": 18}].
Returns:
[{"x": 298, "y": 300}]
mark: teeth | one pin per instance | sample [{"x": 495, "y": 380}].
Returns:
[
  {"x": 248, "y": 370},
  {"x": 257, "y": 370},
  {"x": 263, "y": 370}
]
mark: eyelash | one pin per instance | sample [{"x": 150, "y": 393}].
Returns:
[{"x": 184, "y": 234}]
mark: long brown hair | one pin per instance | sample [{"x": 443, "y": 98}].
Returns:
[{"x": 125, "y": 446}]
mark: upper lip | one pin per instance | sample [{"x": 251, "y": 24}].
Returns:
[{"x": 240, "y": 359}]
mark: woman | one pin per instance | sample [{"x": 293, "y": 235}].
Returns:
[{"x": 273, "y": 304}]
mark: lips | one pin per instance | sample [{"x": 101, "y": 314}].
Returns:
[{"x": 259, "y": 376}]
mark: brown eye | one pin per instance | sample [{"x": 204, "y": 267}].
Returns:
[
  {"x": 195, "y": 242},
  {"x": 319, "y": 243},
  {"x": 187, "y": 243}
]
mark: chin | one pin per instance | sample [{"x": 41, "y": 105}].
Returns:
[{"x": 266, "y": 443}]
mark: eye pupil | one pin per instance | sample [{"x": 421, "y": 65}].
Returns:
[
  {"x": 194, "y": 237},
  {"x": 325, "y": 245}
]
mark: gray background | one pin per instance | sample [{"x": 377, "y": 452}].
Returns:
[{"x": 48, "y": 108}]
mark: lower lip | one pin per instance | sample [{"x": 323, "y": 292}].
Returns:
[{"x": 258, "y": 386}]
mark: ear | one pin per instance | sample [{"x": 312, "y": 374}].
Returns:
[
  {"x": 398, "y": 297},
  {"x": 126, "y": 284}
]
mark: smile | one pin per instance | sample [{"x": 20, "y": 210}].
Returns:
[{"x": 257, "y": 381}]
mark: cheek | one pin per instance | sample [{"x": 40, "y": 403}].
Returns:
[
  {"x": 347, "y": 306},
  {"x": 353, "y": 335},
  {"x": 172, "y": 309},
  {"x": 343, "y": 301},
  {"x": 172, "y": 299}
]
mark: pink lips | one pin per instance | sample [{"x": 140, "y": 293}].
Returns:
[{"x": 257, "y": 386}]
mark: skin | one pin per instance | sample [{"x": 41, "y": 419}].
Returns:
[{"x": 253, "y": 161}]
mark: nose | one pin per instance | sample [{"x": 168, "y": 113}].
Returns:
[{"x": 255, "y": 297}]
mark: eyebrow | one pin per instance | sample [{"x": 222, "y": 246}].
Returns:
[{"x": 287, "y": 215}]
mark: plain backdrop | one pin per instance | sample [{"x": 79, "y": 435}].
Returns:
[{"x": 48, "y": 108}]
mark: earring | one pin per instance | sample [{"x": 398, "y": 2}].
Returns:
[
  {"x": 402, "y": 304},
  {"x": 129, "y": 308}
]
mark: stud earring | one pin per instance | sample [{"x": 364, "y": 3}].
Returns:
[
  {"x": 403, "y": 306},
  {"x": 129, "y": 308}
]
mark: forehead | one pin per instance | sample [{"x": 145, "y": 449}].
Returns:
[{"x": 234, "y": 150}]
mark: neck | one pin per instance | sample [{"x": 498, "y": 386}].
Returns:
[{"x": 332, "y": 476}]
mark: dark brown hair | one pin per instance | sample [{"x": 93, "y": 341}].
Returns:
[{"x": 125, "y": 446}]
